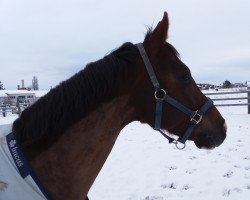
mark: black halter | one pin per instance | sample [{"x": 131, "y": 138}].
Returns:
[{"x": 161, "y": 96}]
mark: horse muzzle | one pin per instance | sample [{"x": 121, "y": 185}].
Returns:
[{"x": 211, "y": 138}]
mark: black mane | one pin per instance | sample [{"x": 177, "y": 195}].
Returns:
[{"x": 76, "y": 97}]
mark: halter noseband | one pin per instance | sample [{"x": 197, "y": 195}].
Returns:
[{"x": 161, "y": 96}]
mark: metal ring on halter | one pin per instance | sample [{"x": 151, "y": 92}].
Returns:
[
  {"x": 178, "y": 146},
  {"x": 158, "y": 95}
]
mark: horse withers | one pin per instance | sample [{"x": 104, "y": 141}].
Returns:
[{"x": 67, "y": 135}]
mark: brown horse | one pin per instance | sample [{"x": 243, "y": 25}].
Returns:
[{"x": 68, "y": 134}]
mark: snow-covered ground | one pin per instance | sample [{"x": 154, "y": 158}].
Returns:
[{"x": 143, "y": 166}]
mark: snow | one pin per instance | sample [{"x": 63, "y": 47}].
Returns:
[
  {"x": 6, "y": 122},
  {"x": 143, "y": 166},
  {"x": 4, "y": 92}
]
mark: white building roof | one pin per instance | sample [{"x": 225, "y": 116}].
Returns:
[{"x": 40, "y": 93}]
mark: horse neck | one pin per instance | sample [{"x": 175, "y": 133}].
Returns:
[{"x": 75, "y": 159}]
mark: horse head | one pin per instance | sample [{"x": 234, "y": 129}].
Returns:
[{"x": 176, "y": 80}]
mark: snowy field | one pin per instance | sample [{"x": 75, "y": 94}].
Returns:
[{"x": 143, "y": 166}]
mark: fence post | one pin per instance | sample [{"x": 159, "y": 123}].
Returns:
[
  {"x": 18, "y": 108},
  {"x": 248, "y": 96},
  {"x": 4, "y": 110}
]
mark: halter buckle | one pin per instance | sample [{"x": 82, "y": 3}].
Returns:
[{"x": 196, "y": 118}]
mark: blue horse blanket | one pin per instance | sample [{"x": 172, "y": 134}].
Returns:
[{"x": 13, "y": 185}]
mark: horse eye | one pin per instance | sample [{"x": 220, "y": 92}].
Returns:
[{"x": 187, "y": 77}]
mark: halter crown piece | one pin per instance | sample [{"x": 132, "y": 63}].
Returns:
[{"x": 161, "y": 96}]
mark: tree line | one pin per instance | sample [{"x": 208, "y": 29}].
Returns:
[{"x": 1, "y": 86}]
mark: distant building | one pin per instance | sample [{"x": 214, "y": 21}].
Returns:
[
  {"x": 206, "y": 86},
  {"x": 236, "y": 85},
  {"x": 22, "y": 87},
  {"x": 11, "y": 97},
  {"x": 35, "y": 85},
  {"x": 20, "y": 96}
]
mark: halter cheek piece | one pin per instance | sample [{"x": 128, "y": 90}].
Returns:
[{"x": 161, "y": 96}]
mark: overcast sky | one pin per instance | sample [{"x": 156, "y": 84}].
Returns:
[{"x": 55, "y": 39}]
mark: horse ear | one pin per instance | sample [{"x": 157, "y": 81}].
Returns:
[
  {"x": 161, "y": 30},
  {"x": 157, "y": 38}
]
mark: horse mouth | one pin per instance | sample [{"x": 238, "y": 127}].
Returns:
[{"x": 208, "y": 145}]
